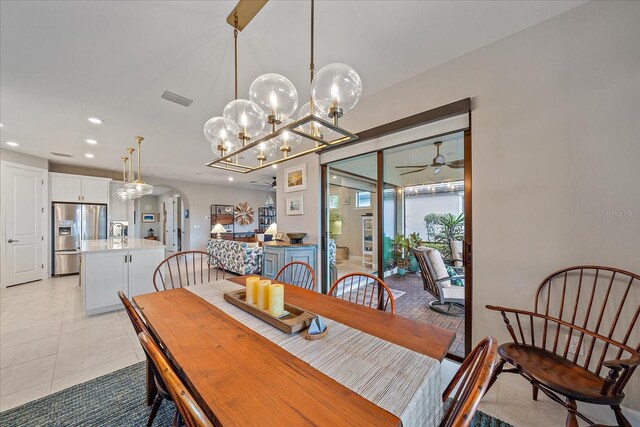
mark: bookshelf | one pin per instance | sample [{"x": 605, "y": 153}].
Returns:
[
  {"x": 223, "y": 214},
  {"x": 266, "y": 217},
  {"x": 367, "y": 240}
]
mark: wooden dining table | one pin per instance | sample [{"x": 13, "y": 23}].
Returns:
[{"x": 242, "y": 373}]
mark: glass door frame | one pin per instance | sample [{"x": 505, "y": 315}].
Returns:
[{"x": 430, "y": 116}]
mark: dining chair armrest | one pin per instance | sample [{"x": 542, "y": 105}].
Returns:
[
  {"x": 614, "y": 381},
  {"x": 620, "y": 364}
]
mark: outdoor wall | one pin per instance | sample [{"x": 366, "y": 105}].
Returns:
[
  {"x": 555, "y": 152},
  {"x": 416, "y": 207}
]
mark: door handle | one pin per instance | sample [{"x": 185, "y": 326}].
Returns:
[{"x": 12, "y": 241}]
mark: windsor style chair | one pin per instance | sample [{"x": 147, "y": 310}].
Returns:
[
  {"x": 469, "y": 384},
  {"x": 186, "y": 268},
  {"x": 188, "y": 411},
  {"x": 364, "y": 289},
  {"x": 299, "y": 274},
  {"x": 584, "y": 323},
  {"x": 156, "y": 390}
]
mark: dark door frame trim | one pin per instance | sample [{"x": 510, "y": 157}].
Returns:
[{"x": 453, "y": 109}]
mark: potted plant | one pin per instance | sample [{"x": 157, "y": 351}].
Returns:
[
  {"x": 451, "y": 228},
  {"x": 401, "y": 254},
  {"x": 413, "y": 241}
]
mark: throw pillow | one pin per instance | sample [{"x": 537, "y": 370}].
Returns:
[{"x": 457, "y": 281}]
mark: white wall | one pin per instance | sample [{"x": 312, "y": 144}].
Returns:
[
  {"x": 23, "y": 159},
  {"x": 198, "y": 198},
  {"x": 556, "y": 131}
]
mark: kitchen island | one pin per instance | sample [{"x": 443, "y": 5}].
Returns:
[{"x": 109, "y": 266}]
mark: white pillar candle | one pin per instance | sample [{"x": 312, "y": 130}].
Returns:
[{"x": 276, "y": 300}]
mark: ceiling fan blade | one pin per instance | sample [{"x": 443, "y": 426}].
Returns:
[
  {"x": 407, "y": 173},
  {"x": 456, "y": 164},
  {"x": 416, "y": 166}
]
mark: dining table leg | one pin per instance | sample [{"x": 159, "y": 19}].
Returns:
[{"x": 152, "y": 390}]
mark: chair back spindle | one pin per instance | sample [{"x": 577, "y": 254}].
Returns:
[
  {"x": 297, "y": 273},
  {"x": 187, "y": 268},
  {"x": 596, "y": 309},
  {"x": 364, "y": 289}
]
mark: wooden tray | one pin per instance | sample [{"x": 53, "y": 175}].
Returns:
[{"x": 296, "y": 320}]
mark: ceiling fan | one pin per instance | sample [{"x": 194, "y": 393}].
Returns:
[
  {"x": 264, "y": 185},
  {"x": 437, "y": 163}
]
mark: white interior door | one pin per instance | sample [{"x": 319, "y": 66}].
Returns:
[
  {"x": 175, "y": 221},
  {"x": 169, "y": 242},
  {"x": 23, "y": 217}
]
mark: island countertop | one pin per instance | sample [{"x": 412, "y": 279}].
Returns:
[{"x": 107, "y": 245}]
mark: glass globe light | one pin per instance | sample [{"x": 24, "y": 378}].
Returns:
[
  {"x": 287, "y": 138},
  {"x": 246, "y": 115},
  {"x": 275, "y": 95},
  {"x": 221, "y": 133},
  {"x": 138, "y": 189},
  {"x": 124, "y": 195},
  {"x": 311, "y": 127},
  {"x": 336, "y": 88},
  {"x": 264, "y": 150}
]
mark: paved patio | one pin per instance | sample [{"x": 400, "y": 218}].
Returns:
[{"x": 414, "y": 304}]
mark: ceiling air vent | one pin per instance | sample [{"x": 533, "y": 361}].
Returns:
[
  {"x": 61, "y": 154},
  {"x": 178, "y": 99}
]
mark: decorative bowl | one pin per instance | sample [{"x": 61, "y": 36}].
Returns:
[{"x": 296, "y": 238}]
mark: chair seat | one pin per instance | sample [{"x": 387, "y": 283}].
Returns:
[
  {"x": 453, "y": 293},
  {"x": 557, "y": 373}
]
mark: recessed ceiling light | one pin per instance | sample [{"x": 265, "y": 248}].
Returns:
[
  {"x": 230, "y": 178},
  {"x": 95, "y": 120},
  {"x": 89, "y": 156},
  {"x": 91, "y": 141},
  {"x": 274, "y": 166},
  {"x": 1, "y": 125},
  {"x": 334, "y": 177},
  {"x": 13, "y": 144}
]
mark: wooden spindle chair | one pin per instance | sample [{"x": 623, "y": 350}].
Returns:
[
  {"x": 187, "y": 268},
  {"x": 594, "y": 309},
  {"x": 189, "y": 412},
  {"x": 157, "y": 388},
  {"x": 364, "y": 289},
  {"x": 297, "y": 273},
  {"x": 470, "y": 383}
]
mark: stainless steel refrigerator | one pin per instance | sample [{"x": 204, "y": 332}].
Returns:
[{"x": 73, "y": 222}]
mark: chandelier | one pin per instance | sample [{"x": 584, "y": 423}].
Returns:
[
  {"x": 122, "y": 192},
  {"x": 265, "y": 130}
]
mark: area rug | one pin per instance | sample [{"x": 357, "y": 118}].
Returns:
[{"x": 115, "y": 399}]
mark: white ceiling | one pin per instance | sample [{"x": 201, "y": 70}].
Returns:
[{"x": 64, "y": 61}]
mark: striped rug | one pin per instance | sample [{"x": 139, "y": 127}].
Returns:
[{"x": 115, "y": 399}]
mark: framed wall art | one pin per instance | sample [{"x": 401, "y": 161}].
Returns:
[
  {"x": 295, "y": 205},
  {"x": 295, "y": 178}
]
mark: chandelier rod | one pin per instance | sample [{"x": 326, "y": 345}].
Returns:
[
  {"x": 124, "y": 169},
  {"x": 311, "y": 65},
  {"x": 131, "y": 150},
  {"x": 235, "y": 52}
]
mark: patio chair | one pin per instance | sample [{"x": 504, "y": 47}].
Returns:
[
  {"x": 437, "y": 282},
  {"x": 456, "y": 253}
]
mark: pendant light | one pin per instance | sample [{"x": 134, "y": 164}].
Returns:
[
  {"x": 122, "y": 191},
  {"x": 139, "y": 187},
  {"x": 272, "y": 104}
]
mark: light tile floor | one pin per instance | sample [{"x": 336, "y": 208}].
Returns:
[{"x": 47, "y": 344}]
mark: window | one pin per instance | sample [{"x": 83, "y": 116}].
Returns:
[
  {"x": 363, "y": 199},
  {"x": 334, "y": 201}
]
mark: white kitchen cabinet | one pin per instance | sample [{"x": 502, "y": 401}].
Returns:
[
  {"x": 106, "y": 273},
  {"x": 109, "y": 267},
  {"x": 79, "y": 188},
  {"x": 65, "y": 188},
  {"x": 95, "y": 191},
  {"x": 142, "y": 265}
]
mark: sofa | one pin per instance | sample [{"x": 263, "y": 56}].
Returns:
[{"x": 237, "y": 257}]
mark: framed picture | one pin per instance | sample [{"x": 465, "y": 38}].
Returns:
[
  {"x": 295, "y": 178},
  {"x": 148, "y": 217},
  {"x": 295, "y": 205},
  {"x": 347, "y": 200}
]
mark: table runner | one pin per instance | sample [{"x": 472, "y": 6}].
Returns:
[{"x": 401, "y": 381}]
